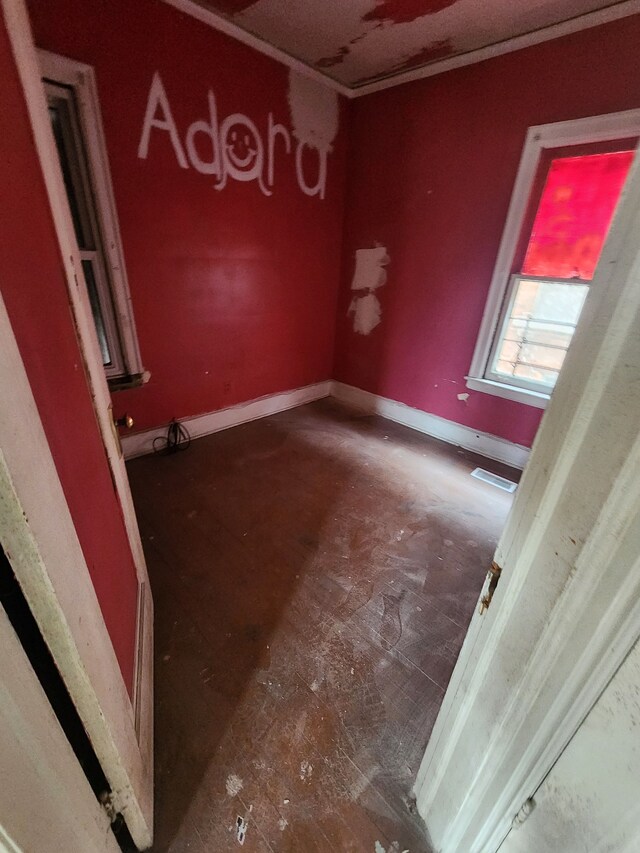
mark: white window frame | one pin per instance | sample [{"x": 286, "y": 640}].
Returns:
[
  {"x": 81, "y": 78},
  {"x": 604, "y": 128},
  {"x": 491, "y": 374}
]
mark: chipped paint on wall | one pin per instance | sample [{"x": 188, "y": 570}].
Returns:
[
  {"x": 367, "y": 313},
  {"x": 370, "y": 272},
  {"x": 314, "y": 112},
  {"x": 315, "y": 119},
  {"x": 369, "y": 275}
]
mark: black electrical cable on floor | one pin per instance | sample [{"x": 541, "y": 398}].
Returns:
[{"x": 177, "y": 438}]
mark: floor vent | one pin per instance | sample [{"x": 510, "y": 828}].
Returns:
[{"x": 494, "y": 480}]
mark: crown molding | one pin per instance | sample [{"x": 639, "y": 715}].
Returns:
[
  {"x": 582, "y": 22},
  {"x": 224, "y": 25},
  {"x": 565, "y": 28}
]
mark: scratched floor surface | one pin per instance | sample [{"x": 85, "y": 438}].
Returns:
[{"x": 313, "y": 576}]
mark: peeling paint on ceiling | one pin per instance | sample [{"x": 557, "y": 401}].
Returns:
[
  {"x": 360, "y": 41},
  {"x": 404, "y": 11}
]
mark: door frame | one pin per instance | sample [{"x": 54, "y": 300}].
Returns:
[
  {"x": 561, "y": 621},
  {"x": 36, "y": 755},
  {"x": 42, "y": 548},
  {"x": 28, "y": 65},
  {"x": 41, "y": 543}
]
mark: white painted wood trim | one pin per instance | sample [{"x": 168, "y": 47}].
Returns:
[
  {"x": 482, "y": 443},
  {"x": 224, "y": 25},
  {"x": 141, "y": 443},
  {"x": 40, "y": 541},
  {"x": 565, "y": 28},
  {"x": 7, "y": 845},
  {"x": 567, "y": 609},
  {"x": 29, "y": 71},
  {"x": 30, "y": 75},
  {"x": 46, "y": 803},
  {"x": 508, "y": 392},
  {"x": 82, "y": 79},
  {"x": 581, "y": 22},
  {"x": 539, "y": 137},
  {"x": 140, "y": 813},
  {"x": 143, "y": 682}
]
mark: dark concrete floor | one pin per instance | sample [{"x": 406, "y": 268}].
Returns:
[{"x": 313, "y": 576}]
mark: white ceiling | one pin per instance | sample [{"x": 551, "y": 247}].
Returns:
[{"x": 357, "y": 43}]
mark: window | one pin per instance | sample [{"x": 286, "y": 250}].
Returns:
[
  {"x": 75, "y": 121},
  {"x": 570, "y": 179}
]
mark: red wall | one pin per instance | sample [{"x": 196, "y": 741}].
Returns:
[
  {"x": 234, "y": 293},
  {"x": 431, "y": 169},
  {"x": 35, "y": 294}
]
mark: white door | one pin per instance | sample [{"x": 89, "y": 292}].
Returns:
[
  {"x": 566, "y": 610},
  {"x": 46, "y": 802},
  {"x": 590, "y": 801},
  {"x": 41, "y": 543},
  {"x": 36, "y": 528}
]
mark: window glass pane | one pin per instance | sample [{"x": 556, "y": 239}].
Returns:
[
  {"x": 96, "y": 310},
  {"x": 63, "y": 135},
  {"x": 548, "y": 300},
  {"x": 539, "y": 329},
  {"x": 576, "y": 207}
]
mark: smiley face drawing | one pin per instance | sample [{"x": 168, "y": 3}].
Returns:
[{"x": 242, "y": 151}]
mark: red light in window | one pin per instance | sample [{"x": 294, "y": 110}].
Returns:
[{"x": 574, "y": 214}]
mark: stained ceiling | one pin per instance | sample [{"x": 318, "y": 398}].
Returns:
[{"x": 356, "y": 42}]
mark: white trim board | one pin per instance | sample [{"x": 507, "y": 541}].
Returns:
[
  {"x": 224, "y": 25},
  {"x": 482, "y": 443},
  {"x": 81, "y": 79},
  {"x": 567, "y": 608},
  {"x": 466, "y": 437},
  {"x": 554, "y": 31},
  {"x": 39, "y": 538},
  {"x": 581, "y": 22},
  {"x": 141, "y": 443},
  {"x": 95, "y": 686},
  {"x": 540, "y": 138}
]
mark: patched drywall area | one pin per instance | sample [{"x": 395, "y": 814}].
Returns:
[
  {"x": 315, "y": 120},
  {"x": 369, "y": 274},
  {"x": 359, "y": 41},
  {"x": 315, "y": 113}
]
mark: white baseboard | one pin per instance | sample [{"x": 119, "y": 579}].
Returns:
[
  {"x": 483, "y": 443},
  {"x": 141, "y": 443}
]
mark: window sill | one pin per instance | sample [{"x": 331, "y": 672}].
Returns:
[
  {"x": 123, "y": 383},
  {"x": 508, "y": 392}
]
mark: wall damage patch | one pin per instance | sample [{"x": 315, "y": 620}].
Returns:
[
  {"x": 315, "y": 118},
  {"x": 369, "y": 275}
]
